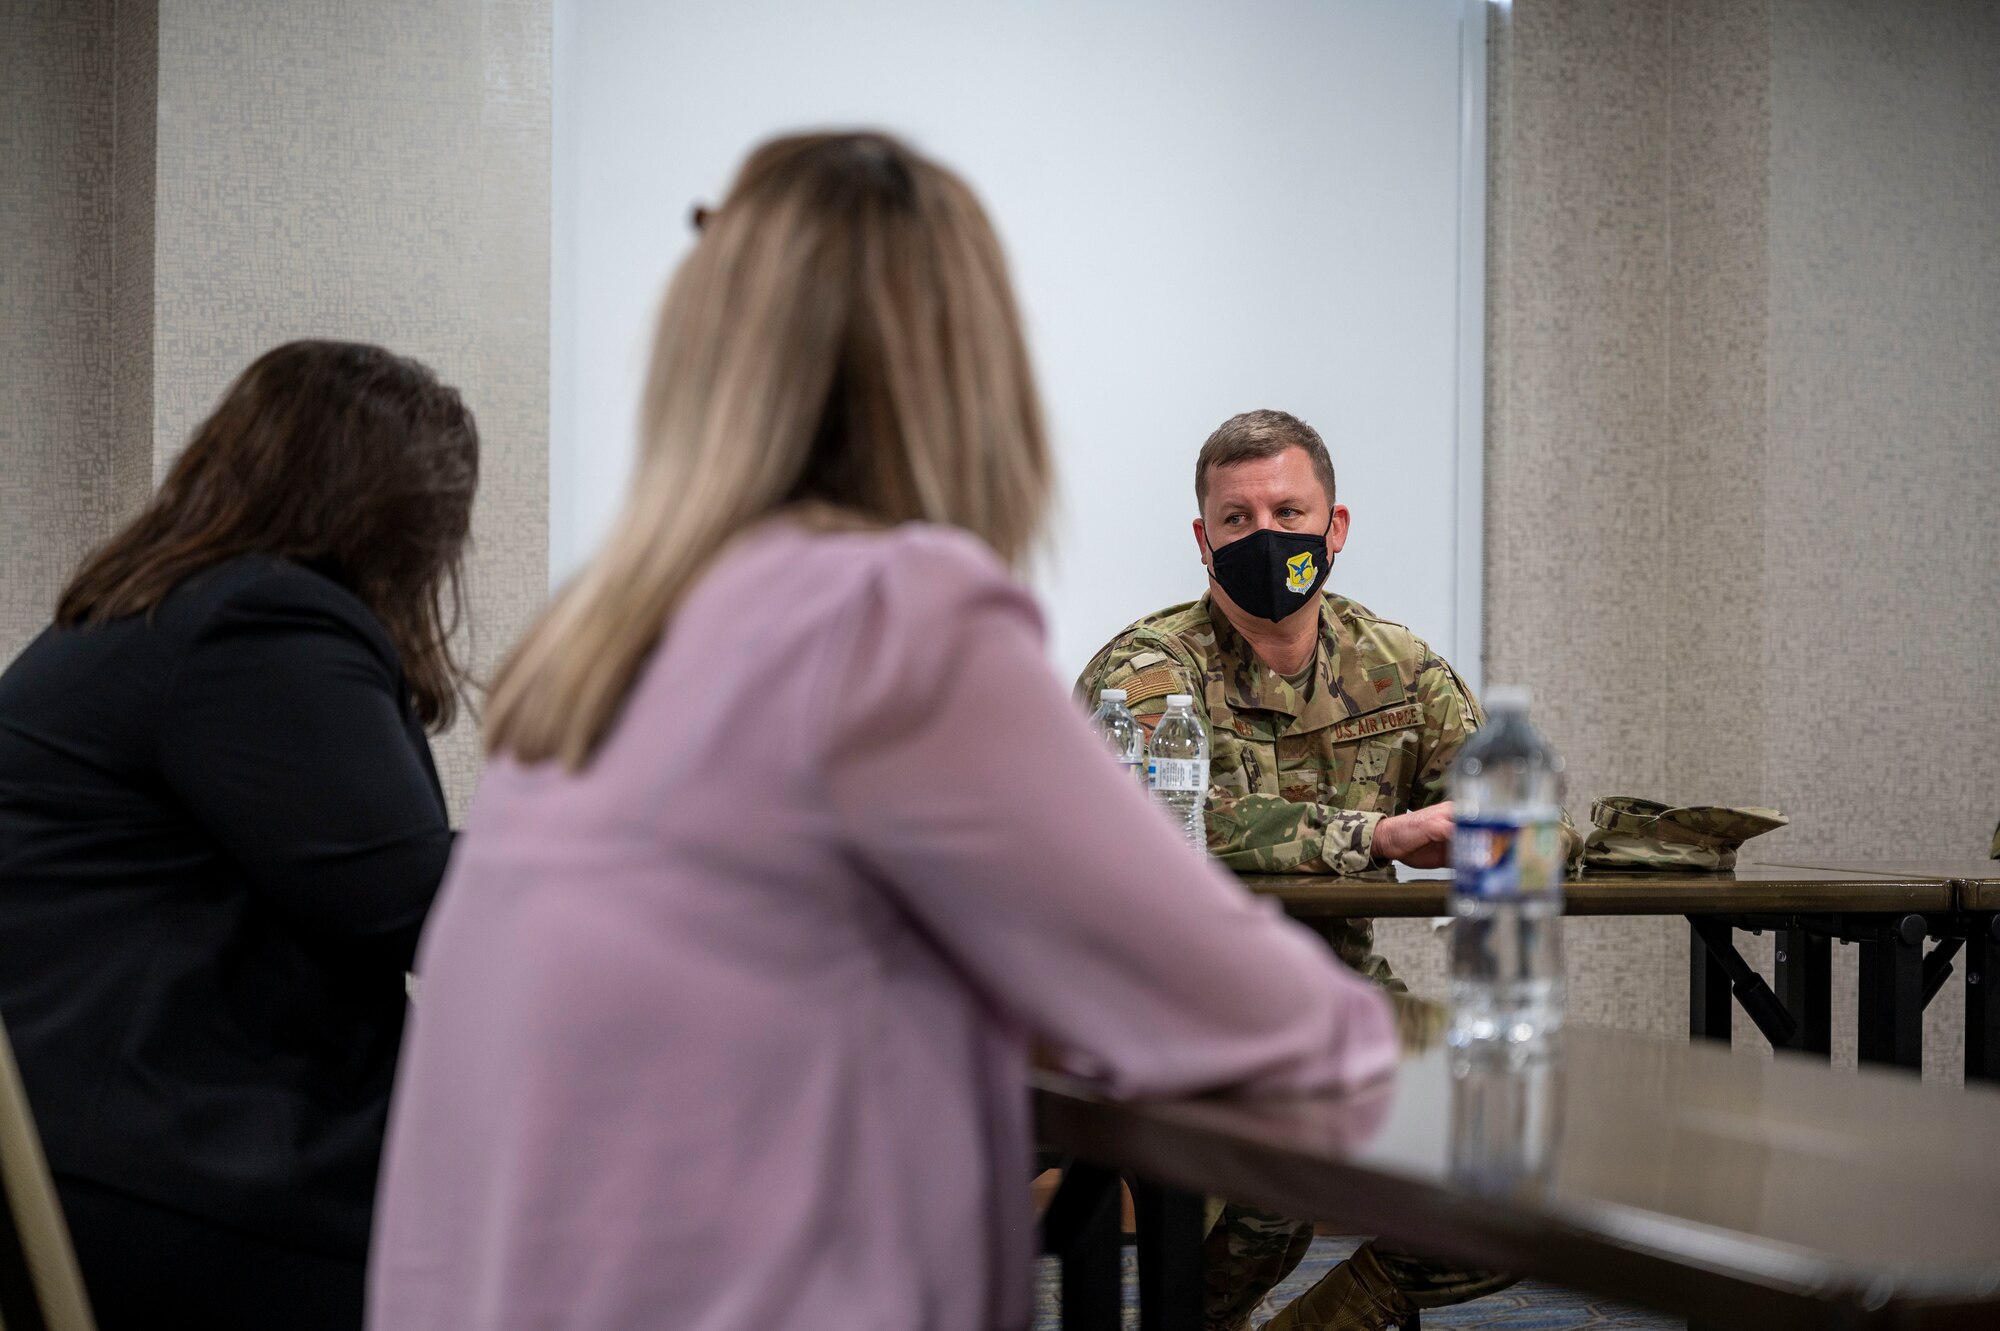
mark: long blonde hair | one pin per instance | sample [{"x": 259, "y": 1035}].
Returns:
[{"x": 843, "y": 335}]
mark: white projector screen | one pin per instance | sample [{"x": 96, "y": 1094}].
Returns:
[{"x": 1208, "y": 208}]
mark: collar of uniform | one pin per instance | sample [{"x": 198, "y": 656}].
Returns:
[{"x": 1249, "y": 684}]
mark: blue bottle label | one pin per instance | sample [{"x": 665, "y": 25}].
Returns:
[{"x": 1500, "y": 858}]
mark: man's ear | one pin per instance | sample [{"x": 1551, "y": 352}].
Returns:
[
  {"x": 1336, "y": 530},
  {"x": 1201, "y": 541}
]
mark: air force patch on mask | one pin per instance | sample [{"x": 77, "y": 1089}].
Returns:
[
  {"x": 1299, "y": 573},
  {"x": 1271, "y": 573}
]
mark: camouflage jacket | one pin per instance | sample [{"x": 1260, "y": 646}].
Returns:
[{"x": 1298, "y": 783}]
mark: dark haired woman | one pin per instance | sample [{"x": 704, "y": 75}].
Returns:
[{"x": 220, "y": 830}]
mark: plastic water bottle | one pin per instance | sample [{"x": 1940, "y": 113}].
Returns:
[
  {"x": 1507, "y": 867},
  {"x": 1121, "y": 731},
  {"x": 1506, "y": 1122},
  {"x": 1177, "y": 768}
]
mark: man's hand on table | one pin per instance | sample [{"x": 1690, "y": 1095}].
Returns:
[{"x": 1420, "y": 839}]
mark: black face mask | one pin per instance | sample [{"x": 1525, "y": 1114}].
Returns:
[{"x": 1272, "y": 573}]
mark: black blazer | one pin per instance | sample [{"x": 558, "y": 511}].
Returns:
[{"x": 220, "y": 829}]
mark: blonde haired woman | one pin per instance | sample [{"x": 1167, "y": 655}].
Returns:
[{"x": 791, "y": 841}]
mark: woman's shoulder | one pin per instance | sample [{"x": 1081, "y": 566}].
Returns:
[
  {"x": 922, "y": 551},
  {"x": 917, "y": 576},
  {"x": 269, "y": 594},
  {"x": 933, "y": 571},
  {"x": 931, "y": 545},
  {"x": 788, "y": 588},
  {"x": 828, "y": 560}
]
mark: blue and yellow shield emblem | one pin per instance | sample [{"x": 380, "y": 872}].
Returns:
[{"x": 1299, "y": 573}]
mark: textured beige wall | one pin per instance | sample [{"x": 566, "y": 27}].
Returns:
[
  {"x": 376, "y": 171},
  {"x": 1578, "y": 458},
  {"x": 189, "y": 186},
  {"x": 1711, "y": 602},
  {"x": 1713, "y": 376},
  {"x": 1882, "y": 572},
  {"x": 134, "y": 173},
  {"x": 1884, "y": 473},
  {"x": 57, "y": 465},
  {"x": 1742, "y": 438}
]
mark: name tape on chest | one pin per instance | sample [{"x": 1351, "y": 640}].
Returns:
[{"x": 1377, "y": 723}]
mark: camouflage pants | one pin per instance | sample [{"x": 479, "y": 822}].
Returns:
[{"x": 1248, "y": 1252}]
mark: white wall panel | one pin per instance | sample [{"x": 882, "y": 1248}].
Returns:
[{"x": 1208, "y": 208}]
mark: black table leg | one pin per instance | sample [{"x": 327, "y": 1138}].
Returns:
[
  {"x": 1170, "y": 1234},
  {"x": 1937, "y": 967},
  {"x": 1891, "y": 1020},
  {"x": 1982, "y": 998},
  {"x": 1083, "y": 1228},
  {"x": 1718, "y": 938},
  {"x": 1708, "y": 990},
  {"x": 1805, "y": 986}
]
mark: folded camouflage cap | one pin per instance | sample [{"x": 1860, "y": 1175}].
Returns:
[{"x": 1631, "y": 833}]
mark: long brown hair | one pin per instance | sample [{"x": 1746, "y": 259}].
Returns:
[
  {"x": 844, "y": 337},
  {"x": 340, "y": 456}
]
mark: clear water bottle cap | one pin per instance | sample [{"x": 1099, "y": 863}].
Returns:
[
  {"x": 1509, "y": 698},
  {"x": 1111, "y": 695},
  {"x": 1180, "y": 700}
]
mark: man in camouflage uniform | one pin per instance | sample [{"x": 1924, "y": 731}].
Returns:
[{"x": 1331, "y": 731}]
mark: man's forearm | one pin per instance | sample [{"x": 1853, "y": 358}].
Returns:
[{"x": 1266, "y": 834}]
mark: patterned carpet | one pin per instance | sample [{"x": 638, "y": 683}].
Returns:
[{"x": 1526, "y": 1307}]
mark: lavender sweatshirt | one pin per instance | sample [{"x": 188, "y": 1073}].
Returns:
[{"x": 729, "y": 1031}]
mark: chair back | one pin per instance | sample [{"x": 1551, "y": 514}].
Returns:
[{"x": 40, "y": 1286}]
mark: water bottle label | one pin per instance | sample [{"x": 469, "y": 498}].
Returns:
[
  {"x": 1499, "y": 859},
  {"x": 1176, "y": 775}
]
